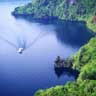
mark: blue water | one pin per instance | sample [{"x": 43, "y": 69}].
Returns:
[{"x": 23, "y": 74}]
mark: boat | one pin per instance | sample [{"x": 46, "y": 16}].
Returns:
[{"x": 20, "y": 50}]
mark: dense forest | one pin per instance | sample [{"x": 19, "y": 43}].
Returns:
[
  {"x": 85, "y": 59},
  {"x": 61, "y": 9}
]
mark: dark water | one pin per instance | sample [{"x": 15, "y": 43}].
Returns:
[{"x": 23, "y": 74}]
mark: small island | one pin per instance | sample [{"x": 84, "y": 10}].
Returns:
[{"x": 63, "y": 63}]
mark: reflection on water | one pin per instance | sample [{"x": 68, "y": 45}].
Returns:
[
  {"x": 65, "y": 71},
  {"x": 75, "y": 35}
]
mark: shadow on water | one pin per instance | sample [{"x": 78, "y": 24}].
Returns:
[
  {"x": 75, "y": 35},
  {"x": 66, "y": 71},
  {"x": 72, "y": 33}
]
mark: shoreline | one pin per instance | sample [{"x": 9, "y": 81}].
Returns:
[{"x": 84, "y": 61}]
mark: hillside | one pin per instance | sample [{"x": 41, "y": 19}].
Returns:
[
  {"x": 61, "y": 9},
  {"x": 86, "y": 88},
  {"x": 85, "y": 61}
]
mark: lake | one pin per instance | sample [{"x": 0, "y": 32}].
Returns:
[{"x": 23, "y": 74}]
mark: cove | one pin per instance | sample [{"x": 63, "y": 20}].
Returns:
[{"x": 22, "y": 75}]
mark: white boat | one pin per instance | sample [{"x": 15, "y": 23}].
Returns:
[{"x": 20, "y": 50}]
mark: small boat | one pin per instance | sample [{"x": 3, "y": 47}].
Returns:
[{"x": 20, "y": 50}]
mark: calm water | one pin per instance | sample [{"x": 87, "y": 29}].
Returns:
[{"x": 23, "y": 74}]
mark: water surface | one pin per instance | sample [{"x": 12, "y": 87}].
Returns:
[{"x": 23, "y": 74}]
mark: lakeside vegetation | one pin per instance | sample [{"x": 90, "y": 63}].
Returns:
[
  {"x": 85, "y": 61},
  {"x": 85, "y": 58},
  {"x": 78, "y": 10},
  {"x": 85, "y": 88}
]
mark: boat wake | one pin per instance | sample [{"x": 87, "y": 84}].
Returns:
[{"x": 22, "y": 43}]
